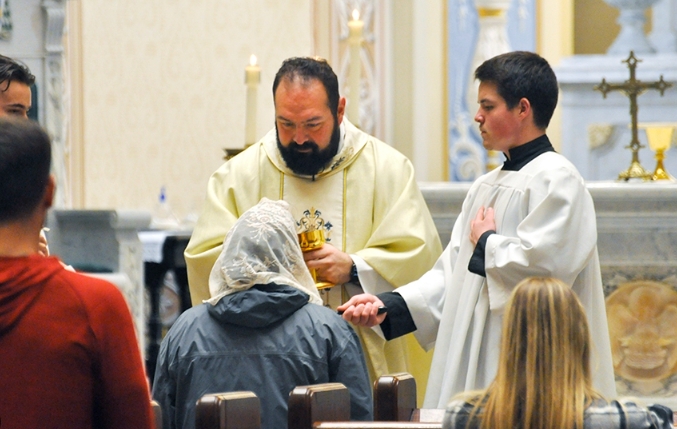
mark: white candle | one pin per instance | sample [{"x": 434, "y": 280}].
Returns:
[
  {"x": 355, "y": 27},
  {"x": 252, "y": 79}
]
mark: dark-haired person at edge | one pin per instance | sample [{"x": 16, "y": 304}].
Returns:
[
  {"x": 15, "y": 100},
  {"x": 15, "y": 88},
  {"x": 69, "y": 354}
]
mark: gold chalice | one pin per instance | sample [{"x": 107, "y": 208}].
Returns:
[
  {"x": 659, "y": 136},
  {"x": 311, "y": 240}
]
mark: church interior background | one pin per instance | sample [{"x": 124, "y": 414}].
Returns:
[{"x": 140, "y": 96}]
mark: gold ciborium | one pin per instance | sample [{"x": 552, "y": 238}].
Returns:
[
  {"x": 311, "y": 240},
  {"x": 659, "y": 136}
]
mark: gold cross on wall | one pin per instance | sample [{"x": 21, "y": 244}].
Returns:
[{"x": 632, "y": 88}]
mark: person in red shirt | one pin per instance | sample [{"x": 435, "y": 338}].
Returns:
[{"x": 69, "y": 356}]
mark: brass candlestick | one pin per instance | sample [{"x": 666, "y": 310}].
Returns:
[
  {"x": 231, "y": 153},
  {"x": 493, "y": 159},
  {"x": 311, "y": 240},
  {"x": 659, "y": 136},
  {"x": 234, "y": 151}
]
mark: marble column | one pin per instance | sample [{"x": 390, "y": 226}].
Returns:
[{"x": 55, "y": 121}]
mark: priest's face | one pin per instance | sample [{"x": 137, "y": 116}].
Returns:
[
  {"x": 15, "y": 99},
  {"x": 307, "y": 131},
  {"x": 499, "y": 125}
]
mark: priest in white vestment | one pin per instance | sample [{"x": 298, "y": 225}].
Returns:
[
  {"x": 533, "y": 216},
  {"x": 361, "y": 192}
]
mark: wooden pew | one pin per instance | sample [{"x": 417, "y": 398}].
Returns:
[
  {"x": 232, "y": 410},
  {"x": 394, "y": 397},
  {"x": 319, "y": 402},
  {"x": 395, "y": 400},
  {"x": 377, "y": 425}
]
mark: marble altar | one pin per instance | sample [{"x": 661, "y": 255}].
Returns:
[
  {"x": 637, "y": 241},
  {"x": 105, "y": 243}
]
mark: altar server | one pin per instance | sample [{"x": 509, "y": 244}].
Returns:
[{"x": 533, "y": 216}]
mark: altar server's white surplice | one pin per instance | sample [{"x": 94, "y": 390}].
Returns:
[{"x": 545, "y": 226}]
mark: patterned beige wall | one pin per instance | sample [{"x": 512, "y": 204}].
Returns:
[{"x": 161, "y": 91}]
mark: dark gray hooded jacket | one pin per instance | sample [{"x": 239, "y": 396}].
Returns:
[{"x": 268, "y": 340}]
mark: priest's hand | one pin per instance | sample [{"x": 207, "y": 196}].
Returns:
[
  {"x": 483, "y": 222},
  {"x": 362, "y": 310},
  {"x": 330, "y": 264}
]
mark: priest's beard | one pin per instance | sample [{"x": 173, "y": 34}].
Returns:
[{"x": 310, "y": 163}]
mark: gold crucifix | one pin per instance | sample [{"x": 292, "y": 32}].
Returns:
[{"x": 632, "y": 88}]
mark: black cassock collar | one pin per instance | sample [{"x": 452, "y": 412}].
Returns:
[{"x": 524, "y": 154}]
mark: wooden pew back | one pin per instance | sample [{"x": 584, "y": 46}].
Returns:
[
  {"x": 232, "y": 410},
  {"x": 319, "y": 402},
  {"x": 394, "y": 397},
  {"x": 378, "y": 425},
  {"x": 395, "y": 400}
]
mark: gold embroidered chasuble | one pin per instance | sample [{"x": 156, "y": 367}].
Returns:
[{"x": 369, "y": 204}]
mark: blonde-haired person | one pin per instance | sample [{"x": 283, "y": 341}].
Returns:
[{"x": 544, "y": 373}]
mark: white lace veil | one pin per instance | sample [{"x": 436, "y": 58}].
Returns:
[{"x": 262, "y": 247}]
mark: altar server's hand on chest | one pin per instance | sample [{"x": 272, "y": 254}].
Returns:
[{"x": 484, "y": 221}]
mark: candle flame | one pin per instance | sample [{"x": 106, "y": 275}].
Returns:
[
  {"x": 356, "y": 14},
  {"x": 252, "y": 60}
]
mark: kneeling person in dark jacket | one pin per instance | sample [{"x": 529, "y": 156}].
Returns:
[{"x": 264, "y": 329}]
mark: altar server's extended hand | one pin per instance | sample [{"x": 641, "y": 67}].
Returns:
[
  {"x": 330, "y": 264},
  {"x": 362, "y": 310}
]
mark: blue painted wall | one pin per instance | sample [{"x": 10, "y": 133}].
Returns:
[{"x": 463, "y": 27}]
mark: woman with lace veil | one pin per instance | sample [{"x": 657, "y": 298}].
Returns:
[
  {"x": 544, "y": 373},
  {"x": 264, "y": 329}
]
